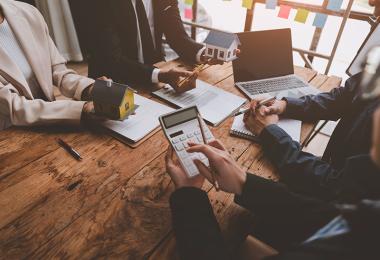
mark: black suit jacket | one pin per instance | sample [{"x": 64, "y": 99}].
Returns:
[
  {"x": 291, "y": 218},
  {"x": 113, "y": 52},
  {"x": 304, "y": 172}
]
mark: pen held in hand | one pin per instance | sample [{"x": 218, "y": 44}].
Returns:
[
  {"x": 69, "y": 149},
  {"x": 214, "y": 181},
  {"x": 262, "y": 103}
]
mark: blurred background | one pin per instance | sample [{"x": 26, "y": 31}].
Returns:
[{"x": 65, "y": 18}]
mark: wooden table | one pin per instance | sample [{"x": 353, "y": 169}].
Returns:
[{"x": 115, "y": 202}]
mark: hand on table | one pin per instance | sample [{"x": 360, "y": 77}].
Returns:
[
  {"x": 178, "y": 174},
  {"x": 87, "y": 92},
  {"x": 259, "y": 117},
  {"x": 174, "y": 76},
  {"x": 229, "y": 175}
]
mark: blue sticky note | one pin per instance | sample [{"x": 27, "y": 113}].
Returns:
[
  {"x": 320, "y": 20},
  {"x": 271, "y": 4},
  {"x": 334, "y": 5}
]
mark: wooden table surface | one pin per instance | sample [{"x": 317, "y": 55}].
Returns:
[{"x": 114, "y": 203}]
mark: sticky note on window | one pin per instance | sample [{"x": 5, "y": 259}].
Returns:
[
  {"x": 301, "y": 15},
  {"x": 284, "y": 11},
  {"x": 271, "y": 4},
  {"x": 320, "y": 20},
  {"x": 189, "y": 2},
  {"x": 189, "y": 13},
  {"x": 334, "y": 5},
  {"x": 248, "y": 4}
]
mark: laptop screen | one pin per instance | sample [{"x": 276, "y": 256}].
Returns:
[{"x": 264, "y": 54}]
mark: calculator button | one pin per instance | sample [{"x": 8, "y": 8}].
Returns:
[
  {"x": 186, "y": 145},
  {"x": 187, "y": 162},
  {"x": 197, "y": 132},
  {"x": 200, "y": 139},
  {"x": 179, "y": 147},
  {"x": 190, "y": 135},
  {"x": 175, "y": 141},
  {"x": 182, "y": 138}
]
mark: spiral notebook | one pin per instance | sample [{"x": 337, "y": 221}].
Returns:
[{"x": 291, "y": 126}]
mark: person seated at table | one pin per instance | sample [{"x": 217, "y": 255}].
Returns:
[
  {"x": 30, "y": 67},
  {"x": 308, "y": 228},
  {"x": 350, "y": 137},
  {"x": 126, "y": 41}
]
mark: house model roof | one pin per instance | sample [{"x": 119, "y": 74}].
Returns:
[
  {"x": 109, "y": 95},
  {"x": 221, "y": 39}
]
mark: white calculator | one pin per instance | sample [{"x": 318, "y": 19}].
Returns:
[{"x": 182, "y": 127}]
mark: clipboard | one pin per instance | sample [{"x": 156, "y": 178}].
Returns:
[{"x": 372, "y": 40}]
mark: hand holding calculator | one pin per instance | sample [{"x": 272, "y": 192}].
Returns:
[{"x": 182, "y": 127}]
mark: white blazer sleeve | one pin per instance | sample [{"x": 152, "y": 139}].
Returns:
[{"x": 22, "y": 112}]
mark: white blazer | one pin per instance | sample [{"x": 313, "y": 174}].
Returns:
[{"x": 17, "y": 105}]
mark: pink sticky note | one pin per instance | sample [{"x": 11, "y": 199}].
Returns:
[
  {"x": 189, "y": 13},
  {"x": 284, "y": 11}
]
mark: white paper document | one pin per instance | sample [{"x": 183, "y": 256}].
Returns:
[
  {"x": 214, "y": 104},
  {"x": 291, "y": 126},
  {"x": 137, "y": 126}
]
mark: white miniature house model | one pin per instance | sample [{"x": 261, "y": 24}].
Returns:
[{"x": 221, "y": 45}]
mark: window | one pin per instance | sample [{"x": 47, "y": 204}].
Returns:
[
  {"x": 221, "y": 54},
  {"x": 229, "y": 54},
  {"x": 235, "y": 52},
  {"x": 209, "y": 51}
]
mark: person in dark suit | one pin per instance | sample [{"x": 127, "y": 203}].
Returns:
[
  {"x": 127, "y": 41},
  {"x": 306, "y": 227}
]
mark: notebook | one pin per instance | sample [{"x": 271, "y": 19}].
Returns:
[
  {"x": 291, "y": 126},
  {"x": 136, "y": 127},
  {"x": 214, "y": 104}
]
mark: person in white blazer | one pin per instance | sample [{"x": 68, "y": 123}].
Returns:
[{"x": 18, "y": 105}]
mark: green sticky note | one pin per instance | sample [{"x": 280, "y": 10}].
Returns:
[
  {"x": 248, "y": 4},
  {"x": 301, "y": 15},
  {"x": 189, "y": 2}
]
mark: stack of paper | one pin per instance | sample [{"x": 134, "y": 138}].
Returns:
[
  {"x": 292, "y": 127},
  {"x": 139, "y": 125},
  {"x": 214, "y": 104}
]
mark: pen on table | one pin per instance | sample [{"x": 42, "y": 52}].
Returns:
[
  {"x": 214, "y": 181},
  {"x": 69, "y": 149},
  {"x": 196, "y": 70},
  {"x": 262, "y": 103}
]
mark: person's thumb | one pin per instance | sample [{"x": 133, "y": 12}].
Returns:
[{"x": 204, "y": 170}]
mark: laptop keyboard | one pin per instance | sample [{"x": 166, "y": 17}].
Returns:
[{"x": 272, "y": 85}]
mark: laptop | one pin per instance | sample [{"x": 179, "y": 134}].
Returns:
[{"x": 265, "y": 66}]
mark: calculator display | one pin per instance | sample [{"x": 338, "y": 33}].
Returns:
[{"x": 180, "y": 117}]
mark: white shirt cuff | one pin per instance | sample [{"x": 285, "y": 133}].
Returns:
[
  {"x": 199, "y": 54},
  {"x": 155, "y": 76}
]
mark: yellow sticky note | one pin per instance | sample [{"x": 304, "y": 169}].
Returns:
[
  {"x": 189, "y": 2},
  {"x": 301, "y": 15},
  {"x": 248, "y": 4}
]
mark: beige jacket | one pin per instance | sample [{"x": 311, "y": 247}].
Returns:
[{"x": 17, "y": 105}]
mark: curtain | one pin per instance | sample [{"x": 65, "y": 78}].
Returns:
[{"x": 58, "y": 16}]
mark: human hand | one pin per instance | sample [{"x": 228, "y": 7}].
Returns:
[
  {"x": 88, "y": 113},
  {"x": 375, "y": 150},
  {"x": 376, "y": 4},
  {"x": 87, "y": 92},
  {"x": 178, "y": 174},
  {"x": 258, "y": 117},
  {"x": 274, "y": 107},
  {"x": 174, "y": 76},
  {"x": 229, "y": 175}
]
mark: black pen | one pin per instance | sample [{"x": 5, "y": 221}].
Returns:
[{"x": 69, "y": 149}]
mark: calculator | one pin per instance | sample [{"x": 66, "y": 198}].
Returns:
[{"x": 181, "y": 127}]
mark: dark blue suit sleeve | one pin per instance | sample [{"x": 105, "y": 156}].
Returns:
[
  {"x": 195, "y": 226},
  {"x": 324, "y": 106}
]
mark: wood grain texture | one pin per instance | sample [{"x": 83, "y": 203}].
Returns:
[{"x": 113, "y": 204}]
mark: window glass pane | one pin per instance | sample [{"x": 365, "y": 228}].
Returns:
[{"x": 221, "y": 54}]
